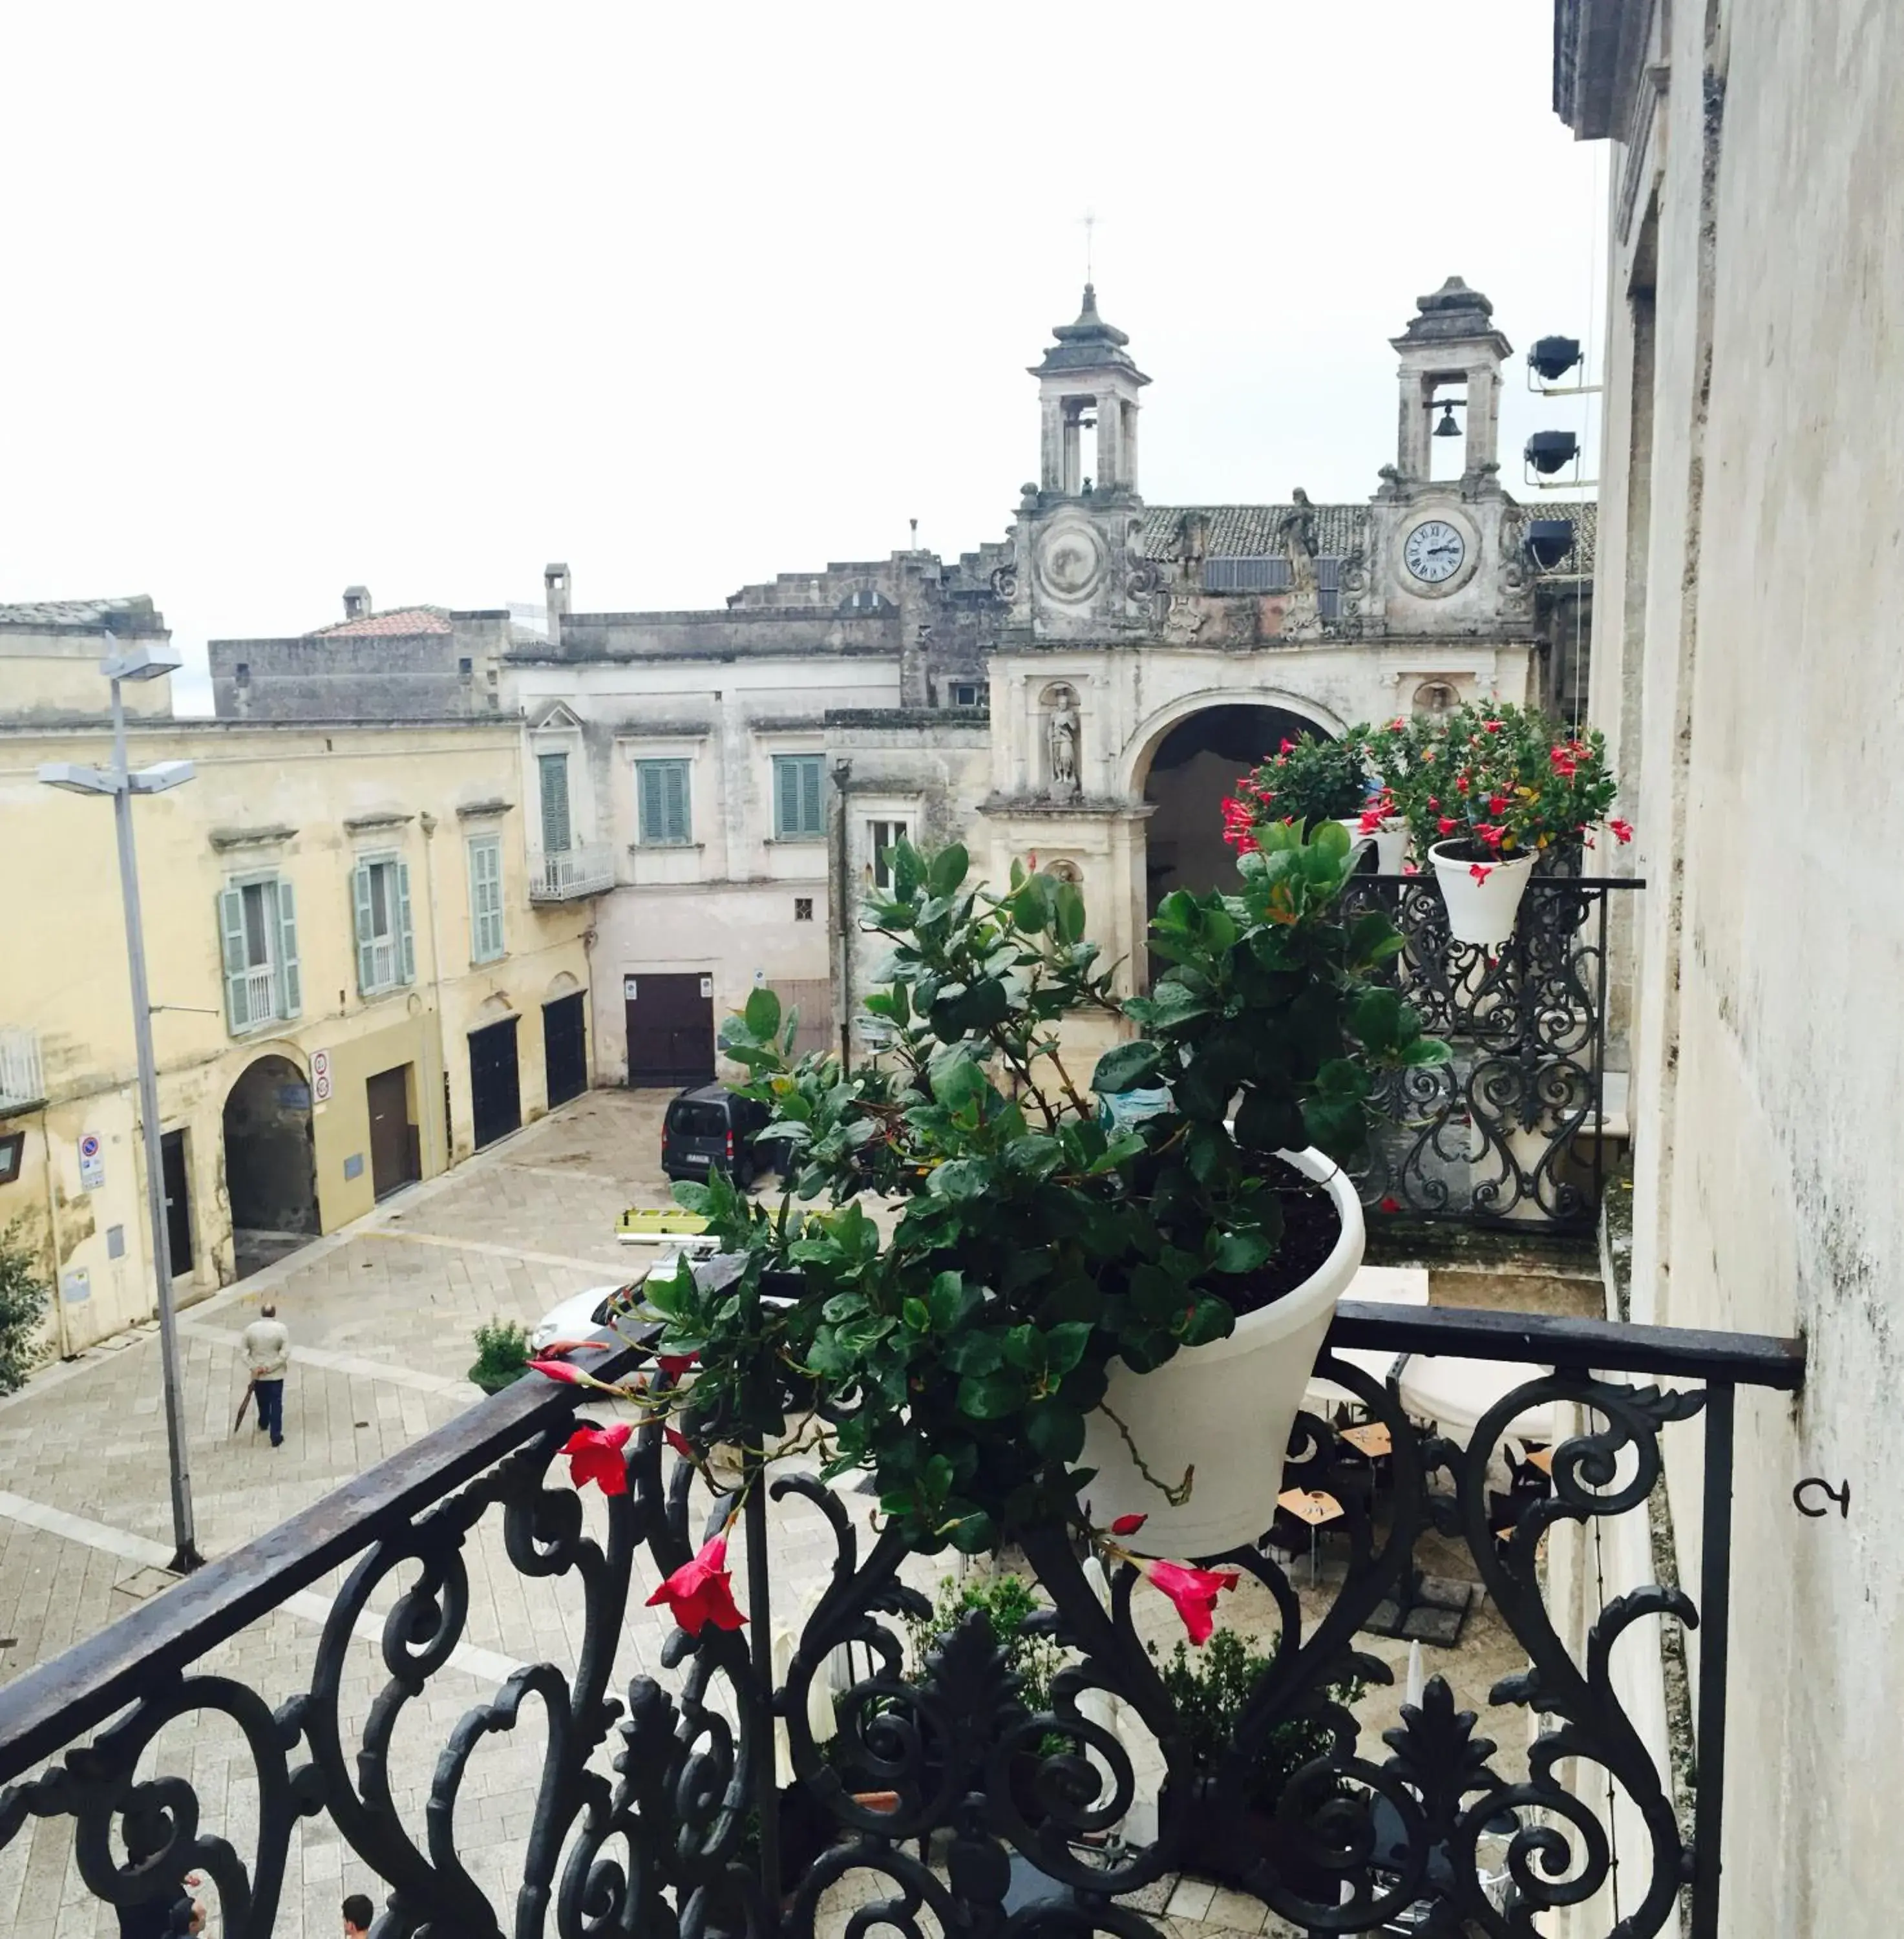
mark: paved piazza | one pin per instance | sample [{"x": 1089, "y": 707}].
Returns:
[{"x": 381, "y": 1317}]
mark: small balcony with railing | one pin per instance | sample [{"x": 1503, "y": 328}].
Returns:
[
  {"x": 23, "y": 1077},
  {"x": 564, "y": 874}
]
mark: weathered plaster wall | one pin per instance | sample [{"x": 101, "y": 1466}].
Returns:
[{"x": 1757, "y": 697}]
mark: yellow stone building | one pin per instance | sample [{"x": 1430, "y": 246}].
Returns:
[{"x": 353, "y": 986}]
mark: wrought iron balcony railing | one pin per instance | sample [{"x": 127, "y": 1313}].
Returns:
[
  {"x": 924, "y": 1791},
  {"x": 560, "y": 875},
  {"x": 1513, "y": 1129}
]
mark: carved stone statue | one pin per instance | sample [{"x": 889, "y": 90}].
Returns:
[
  {"x": 1295, "y": 533},
  {"x": 1061, "y": 730},
  {"x": 1189, "y": 546}
]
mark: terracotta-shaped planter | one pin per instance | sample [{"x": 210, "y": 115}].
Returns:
[{"x": 1482, "y": 898}]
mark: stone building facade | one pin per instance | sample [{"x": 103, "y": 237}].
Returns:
[
  {"x": 1746, "y": 671},
  {"x": 357, "y": 980}
]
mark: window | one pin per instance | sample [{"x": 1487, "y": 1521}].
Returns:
[
  {"x": 465, "y": 669},
  {"x": 965, "y": 693},
  {"x": 244, "y": 673},
  {"x": 798, "y": 815},
  {"x": 485, "y": 898},
  {"x": 386, "y": 952},
  {"x": 257, "y": 931},
  {"x": 882, "y": 837},
  {"x": 803, "y": 909},
  {"x": 553, "y": 769},
  {"x": 661, "y": 788}
]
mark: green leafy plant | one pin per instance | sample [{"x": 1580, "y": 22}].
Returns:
[
  {"x": 502, "y": 1355},
  {"x": 1501, "y": 781},
  {"x": 1034, "y": 1244},
  {"x": 1007, "y": 1603},
  {"x": 1210, "y": 1691},
  {"x": 23, "y": 1298},
  {"x": 1310, "y": 779}
]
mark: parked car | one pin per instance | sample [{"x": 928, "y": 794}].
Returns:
[
  {"x": 712, "y": 1129},
  {"x": 581, "y": 1312}
]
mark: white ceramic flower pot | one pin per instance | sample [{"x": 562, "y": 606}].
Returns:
[
  {"x": 1391, "y": 845},
  {"x": 1481, "y": 909},
  {"x": 1225, "y": 1409}
]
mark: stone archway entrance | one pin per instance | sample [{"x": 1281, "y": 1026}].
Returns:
[
  {"x": 1195, "y": 765},
  {"x": 270, "y": 1169}
]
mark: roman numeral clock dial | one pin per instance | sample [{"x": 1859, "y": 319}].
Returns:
[{"x": 1434, "y": 551}]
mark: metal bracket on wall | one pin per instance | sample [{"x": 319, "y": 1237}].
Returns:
[{"x": 1841, "y": 1495}]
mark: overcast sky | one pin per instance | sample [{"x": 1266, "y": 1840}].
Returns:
[{"x": 426, "y": 296}]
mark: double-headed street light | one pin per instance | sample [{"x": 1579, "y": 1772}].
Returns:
[{"x": 122, "y": 783}]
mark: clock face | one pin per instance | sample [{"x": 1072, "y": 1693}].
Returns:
[{"x": 1434, "y": 551}]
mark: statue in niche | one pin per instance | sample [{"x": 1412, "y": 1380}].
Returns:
[
  {"x": 1061, "y": 732},
  {"x": 1302, "y": 618}
]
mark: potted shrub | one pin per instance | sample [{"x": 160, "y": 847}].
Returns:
[
  {"x": 1495, "y": 791},
  {"x": 1051, "y": 1290},
  {"x": 1315, "y": 780},
  {"x": 1236, "y": 1828},
  {"x": 502, "y": 1355}
]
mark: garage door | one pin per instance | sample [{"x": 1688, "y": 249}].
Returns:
[
  {"x": 565, "y": 1049},
  {"x": 671, "y": 1023},
  {"x": 495, "y": 1086}
]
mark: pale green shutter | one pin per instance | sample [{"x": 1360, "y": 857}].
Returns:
[
  {"x": 366, "y": 959},
  {"x": 290, "y": 987},
  {"x": 810, "y": 815},
  {"x": 485, "y": 898},
  {"x": 651, "y": 801},
  {"x": 231, "y": 930},
  {"x": 493, "y": 879},
  {"x": 405, "y": 939},
  {"x": 786, "y": 775},
  {"x": 675, "y": 801},
  {"x": 554, "y": 770}
]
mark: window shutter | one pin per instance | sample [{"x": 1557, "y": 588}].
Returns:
[
  {"x": 231, "y": 931},
  {"x": 366, "y": 961},
  {"x": 291, "y": 988},
  {"x": 485, "y": 898},
  {"x": 674, "y": 800},
  {"x": 406, "y": 941},
  {"x": 554, "y": 769},
  {"x": 810, "y": 820},
  {"x": 787, "y": 815},
  {"x": 498, "y": 943},
  {"x": 651, "y": 801}
]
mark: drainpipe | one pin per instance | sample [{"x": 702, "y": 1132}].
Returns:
[
  {"x": 839, "y": 903},
  {"x": 427, "y": 822},
  {"x": 52, "y": 1239}
]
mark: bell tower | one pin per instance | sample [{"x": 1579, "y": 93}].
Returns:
[
  {"x": 1450, "y": 345},
  {"x": 1088, "y": 387}
]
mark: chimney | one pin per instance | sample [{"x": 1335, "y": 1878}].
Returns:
[
  {"x": 356, "y": 602},
  {"x": 555, "y": 586}
]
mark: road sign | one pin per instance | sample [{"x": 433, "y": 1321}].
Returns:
[
  {"x": 91, "y": 1164},
  {"x": 320, "y": 1076}
]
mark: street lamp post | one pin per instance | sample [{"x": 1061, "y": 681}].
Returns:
[{"x": 122, "y": 782}]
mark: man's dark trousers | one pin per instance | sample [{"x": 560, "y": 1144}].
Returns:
[{"x": 271, "y": 1409}]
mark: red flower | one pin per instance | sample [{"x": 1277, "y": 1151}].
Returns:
[
  {"x": 1622, "y": 831},
  {"x": 675, "y": 1365},
  {"x": 556, "y": 1370},
  {"x": 1462, "y": 783},
  {"x": 1390, "y": 1203},
  {"x": 1411, "y": 868},
  {"x": 1489, "y": 833},
  {"x": 701, "y": 1591},
  {"x": 1497, "y": 804},
  {"x": 594, "y": 1454},
  {"x": 1494, "y": 726},
  {"x": 1288, "y": 746},
  {"x": 1433, "y": 804},
  {"x": 677, "y": 1440},
  {"x": 1128, "y": 1524},
  {"x": 1480, "y": 871},
  {"x": 1194, "y": 1591},
  {"x": 1447, "y": 824},
  {"x": 1397, "y": 724}
]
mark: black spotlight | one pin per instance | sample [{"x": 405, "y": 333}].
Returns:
[
  {"x": 1447, "y": 427},
  {"x": 1553, "y": 356},
  {"x": 1550, "y": 540},
  {"x": 1548, "y": 451}
]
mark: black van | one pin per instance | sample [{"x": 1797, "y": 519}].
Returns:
[{"x": 711, "y": 1129}]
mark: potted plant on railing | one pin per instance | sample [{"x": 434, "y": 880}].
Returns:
[
  {"x": 1313, "y": 780},
  {"x": 1062, "y": 1315},
  {"x": 1493, "y": 792},
  {"x": 502, "y": 1355}
]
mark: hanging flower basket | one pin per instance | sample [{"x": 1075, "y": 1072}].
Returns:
[{"x": 1483, "y": 897}]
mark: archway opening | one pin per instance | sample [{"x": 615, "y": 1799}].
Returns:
[
  {"x": 1197, "y": 764},
  {"x": 270, "y": 1169}
]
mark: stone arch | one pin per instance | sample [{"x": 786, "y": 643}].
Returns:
[
  {"x": 564, "y": 983},
  {"x": 271, "y": 1181},
  {"x": 1141, "y": 749},
  {"x": 495, "y": 1009},
  {"x": 1434, "y": 697},
  {"x": 1190, "y": 766}
]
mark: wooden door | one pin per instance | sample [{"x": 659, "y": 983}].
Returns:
[
  {"x": 392, "y": 1144},
  {"x": 670, "y": 1025},
  {"x": 495, "y": 1084},
  {"x": 565, "y": 1047},
  {"x": 178, "y": 1202}
]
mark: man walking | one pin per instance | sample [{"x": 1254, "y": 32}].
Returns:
[
  {"x": 358, "y": 1913},
  {"x": 268, "y": 1352}
]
